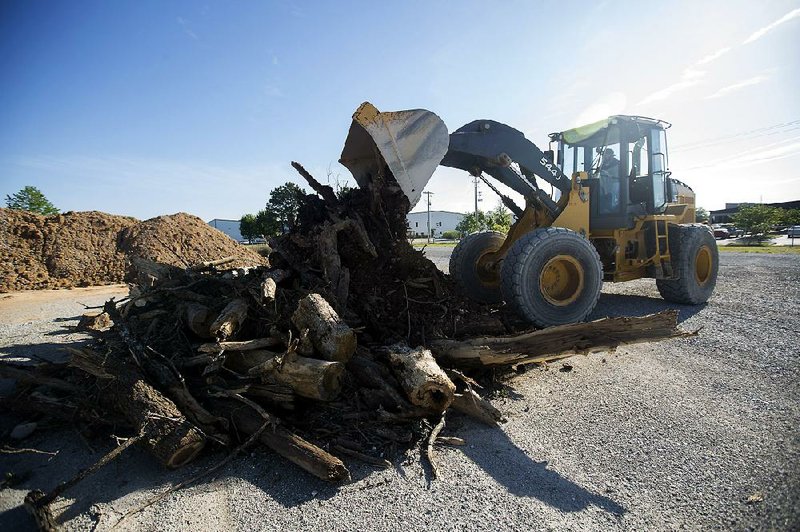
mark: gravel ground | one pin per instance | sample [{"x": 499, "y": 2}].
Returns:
[{"x": 677, "y": 434}]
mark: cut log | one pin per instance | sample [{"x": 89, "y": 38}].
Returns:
[
  {"x": 276, "y": 393},
  {"x": 310, "y": 377},
  {"x": 333, "y": 339},
  {"x": 557, "y": 342},
  {"x": 425, "y": 383},
  {"x": 243, "y": 362},
  {"x": 308, "y": 456},
  {"x": 372, "y": 375},
  {"x": 475, "y": 406},
  {"x": 268, "y": 290},
  {"x": 94, "y": 322},
  {"x": 198, "y": 319},
  {"x": 230, "y": 319},
  {"x": 247, "y": 345},
  {"x": 168, "y": 435},
  {"x": 166, "y": 376},
  {"x": 211, "y": 264}
]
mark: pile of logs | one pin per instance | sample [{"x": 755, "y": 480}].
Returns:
[{"x": 350, "y": 345}]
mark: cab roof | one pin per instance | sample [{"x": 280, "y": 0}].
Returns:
[{"x": 611, "y": 130}]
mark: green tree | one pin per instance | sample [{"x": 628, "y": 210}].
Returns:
[
  {"x": 248, "y": 227},
  {"x": 757, "y": 220},
  {"x": 30, "y": 199},
  {"x": 284, "y": 202},
  {"x": 700, "y": 215},
  {"x": 279, "y": 214},
  {"x": 499, "y": 219},
  {"x": 472, "y": 222},
  {"x": 790, "y": 216}
]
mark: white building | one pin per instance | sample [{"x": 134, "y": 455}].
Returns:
[
  {"x": 441, "y": 221},
  {"x": 229, "y": 227}
]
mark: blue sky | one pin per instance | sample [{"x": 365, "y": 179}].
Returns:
[{"x": 146, "y": 108}]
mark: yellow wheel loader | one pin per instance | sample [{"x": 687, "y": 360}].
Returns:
[{"x": 612, "y": 211}]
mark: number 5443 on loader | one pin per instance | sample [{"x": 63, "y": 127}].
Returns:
[{"x": 613, "y": 213}]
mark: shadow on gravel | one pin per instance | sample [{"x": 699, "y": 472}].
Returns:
[
  {"x": 49, "y": 351},
  {"x": 615, "y": 305},
  {"x": 509, "y": 465},
  {"x": 136, "y": 473}
]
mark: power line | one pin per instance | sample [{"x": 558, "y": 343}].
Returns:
[{"x": 774, "y": 129}]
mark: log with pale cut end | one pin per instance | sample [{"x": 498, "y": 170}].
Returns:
[
  {"x": 230, "y": 319},
  {"x": 310, "y": 377},
  {"x": 198, "y": 319},
  {"x": 268, "y": 290},
  {"x": 425, "y": 383},
  {"x": 557, "y": 342},
  {"x": 332, "y": 338}
]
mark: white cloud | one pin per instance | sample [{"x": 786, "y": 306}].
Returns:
[
  {"x": 769, "y": 27},
  {"x": 713, "y": 57},
  {"x": 738, "y": 85}
]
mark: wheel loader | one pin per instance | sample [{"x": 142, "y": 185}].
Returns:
[{"x": 599, "y": 205}]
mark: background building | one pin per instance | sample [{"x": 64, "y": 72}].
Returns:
[
  {"x": 229, "y": 227},
  {"x": 723, "y": 216},
  {"x": 441, "y": 221}
]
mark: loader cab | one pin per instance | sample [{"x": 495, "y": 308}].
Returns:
[{"x": 625, "y": 158}]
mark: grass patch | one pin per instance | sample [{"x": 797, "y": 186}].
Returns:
[
  {"x": 772, "y": 250},
  {"x": 262, "y": 249},
  {"x": 420, "y": 245}
]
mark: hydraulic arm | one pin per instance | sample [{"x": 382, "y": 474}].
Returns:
[{"x": 486, "y": 146}]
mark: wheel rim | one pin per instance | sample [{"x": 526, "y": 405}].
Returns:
[
  {"x": 702, "y": 265},
  {"x": 561, "y": 280},
  {"x": 488, "y": 269}
]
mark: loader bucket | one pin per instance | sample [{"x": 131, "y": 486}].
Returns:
[{"x": 411, "y": 143}]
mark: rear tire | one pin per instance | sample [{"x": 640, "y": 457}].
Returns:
[
  {"x": 552, "y": 276},
  {"x": 695, "y": 261},
  {"x": 477, "y": 283}
]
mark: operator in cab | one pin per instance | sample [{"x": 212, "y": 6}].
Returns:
[{"x": 609, "y": 180}]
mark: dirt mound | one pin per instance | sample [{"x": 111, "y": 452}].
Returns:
[
  {"x": 71, "y": 249},
  {"x": 93, "y": 248},
  {"x": 184, "y": 240}
]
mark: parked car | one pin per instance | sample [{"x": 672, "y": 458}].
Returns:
[
  {"x": 793, "y": 231},
  {"x": 733, "y": 231},
  {"x": 720, "y": 232}
]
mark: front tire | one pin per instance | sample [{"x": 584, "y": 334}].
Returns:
[
  {"x": 467, "y": 269},
  {"x": 695, "y": 261},
  {"x": 552, "y": 276}
]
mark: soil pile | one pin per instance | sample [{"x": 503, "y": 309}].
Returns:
[
  {"x": 60, "y": 251},
  {"x": 94, "y": 248},
  {"x": 184, "y": 240}
]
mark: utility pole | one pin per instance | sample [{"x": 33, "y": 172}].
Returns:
[
  {"x": 429, "y": 194},
  {"x": 475, "y": 180}
]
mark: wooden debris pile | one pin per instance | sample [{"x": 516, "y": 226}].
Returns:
[{"x": 351, "y": 344}]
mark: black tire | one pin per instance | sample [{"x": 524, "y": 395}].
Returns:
[
  {"x": 695, "y": 262},
  {"x": 478, "y": 284},
  {"x": 552, "y": 276}
]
